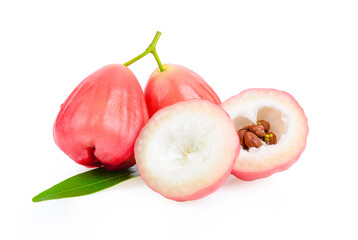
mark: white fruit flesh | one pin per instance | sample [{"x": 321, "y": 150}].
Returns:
[
  {"x": 287, "y": 120},
  {"x": 186, "y": 148}
]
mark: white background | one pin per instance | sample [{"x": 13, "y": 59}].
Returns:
[{"x": 308, "y": 48}]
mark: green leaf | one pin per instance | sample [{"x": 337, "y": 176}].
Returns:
[{"x": 86, "y": 183}]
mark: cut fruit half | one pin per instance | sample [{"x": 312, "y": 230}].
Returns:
[
  {"x": 288, "y": 124},
  {"x": 187, "y": 150}
]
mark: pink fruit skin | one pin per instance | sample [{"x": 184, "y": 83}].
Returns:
[
  {"x": 249, "y": 176},
  {"x": 99, "y": 122},
  {"x": 176, "y": 84}
]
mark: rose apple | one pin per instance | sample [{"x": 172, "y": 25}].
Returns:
[{"x": 99, "y": 122}]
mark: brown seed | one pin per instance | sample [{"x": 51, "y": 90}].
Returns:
[
  {"x": 259, "y": 130},
  {"x": 265, "y": 124},
  {"x": 251, "y": 140},
  {"x": 241, "y": 134},
  {"x": 271, "y": 138}
]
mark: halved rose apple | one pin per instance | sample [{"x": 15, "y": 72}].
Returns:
[
  {"x": 272, "y": 147},
  {"x": 187, "y": 150}
]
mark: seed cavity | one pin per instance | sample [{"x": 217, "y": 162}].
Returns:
[{"x": 255, "y": 135}]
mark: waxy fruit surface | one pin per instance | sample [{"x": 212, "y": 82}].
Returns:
[
  {"x": 99, "y": 122},
  {"x": 176, "y": 84}
]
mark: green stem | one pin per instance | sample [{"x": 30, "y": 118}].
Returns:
[
  {"x": 150, "y": 49},
  {"x": 161, "y": 68}
]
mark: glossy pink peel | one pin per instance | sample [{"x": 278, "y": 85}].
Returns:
[
  {"x": 175, "y": 84},
  {"x": 99, "y": 122}
]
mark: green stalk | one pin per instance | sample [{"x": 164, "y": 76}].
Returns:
[{"x": 150, "y": 49}]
